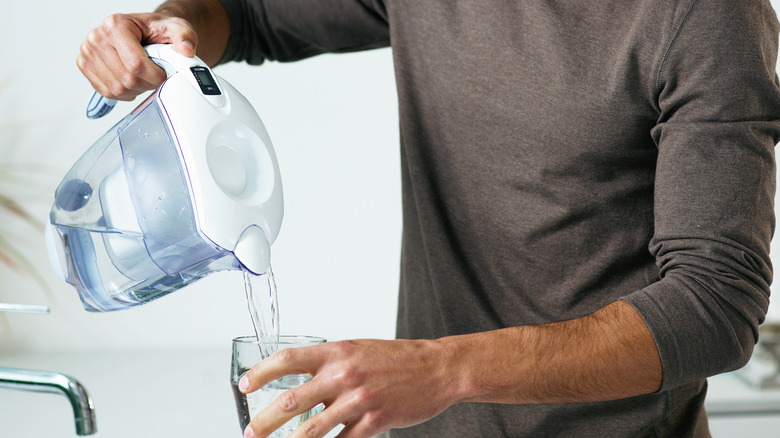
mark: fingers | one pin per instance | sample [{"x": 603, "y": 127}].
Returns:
[
  {"x": 299, "y": 400},
  {"x": 337, "y": 414},
  {"x": 118, "y": 76},
  {"x": 318, "y": 425},
  {"x": 282, "y": 363},
  {"x": 291, "y": 404},
  {"x": 294, "y": 402},
  {"x": 112, "y": 57}
]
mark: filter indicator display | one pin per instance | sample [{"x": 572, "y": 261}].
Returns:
[{"x": 207, "y": 83}]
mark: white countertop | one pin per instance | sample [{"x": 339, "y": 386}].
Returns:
[
  {"x": 135, "y": 394},
  {"x": 187, "y": 393}
]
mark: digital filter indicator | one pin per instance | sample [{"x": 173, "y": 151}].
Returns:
[{"x": 207, "y": 84}]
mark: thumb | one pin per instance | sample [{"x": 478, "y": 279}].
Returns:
[
  {"x": 185, "y": 47},
  {"x": 165, "y": 29}
]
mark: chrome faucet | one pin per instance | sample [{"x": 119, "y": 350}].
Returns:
[{"x": 44, "y": 381}]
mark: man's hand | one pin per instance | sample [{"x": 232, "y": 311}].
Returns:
[
  {"x": 112, "y": 57},
  {"x": 369, "y": 386}
]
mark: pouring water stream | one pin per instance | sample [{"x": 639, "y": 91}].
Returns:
[{"x": 263, "y": 308}]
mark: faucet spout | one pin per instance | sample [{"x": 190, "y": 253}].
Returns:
[{"x": 44, "y": 381}]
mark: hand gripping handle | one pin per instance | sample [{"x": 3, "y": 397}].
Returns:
[{"x": 163, "y": 55}]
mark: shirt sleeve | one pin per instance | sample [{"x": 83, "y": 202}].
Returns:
[
  {"x": 290, "y": 30},
  {"x": 719, "y": 107}
]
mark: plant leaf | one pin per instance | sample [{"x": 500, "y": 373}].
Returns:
[{"x": 19, "y": 211}]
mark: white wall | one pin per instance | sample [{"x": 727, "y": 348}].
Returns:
[
  {"x": 333, "y": 120},
  {"x": 334, "y": 124}
]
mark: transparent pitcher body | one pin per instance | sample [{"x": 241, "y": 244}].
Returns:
[{"x": 123, "y": 222}]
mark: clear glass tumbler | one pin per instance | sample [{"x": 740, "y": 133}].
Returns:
[{"x": 247, "y": 351}]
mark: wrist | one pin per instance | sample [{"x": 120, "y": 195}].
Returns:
[
  {"x": 449, "y": 373},
  {"x": 471, "y": 366}
]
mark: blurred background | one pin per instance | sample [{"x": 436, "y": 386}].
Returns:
[{"x": 333, "y": 120}]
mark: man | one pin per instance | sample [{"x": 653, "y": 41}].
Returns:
[{"x": 588, "y": 204}]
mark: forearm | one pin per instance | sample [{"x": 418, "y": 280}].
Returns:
[
  {"x": 608, "y": 355},
  {"x": 373, "y": 385},
  {"x": 210, "y": 21}
]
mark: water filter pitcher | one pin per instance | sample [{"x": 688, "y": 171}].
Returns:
[{"x": 185, "y": 185}]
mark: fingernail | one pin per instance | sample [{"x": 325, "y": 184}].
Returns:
[
  {"x": 189, "y": 44},
  {"x": 249, "y": 433},
  {"x": 243, "y": 384}
]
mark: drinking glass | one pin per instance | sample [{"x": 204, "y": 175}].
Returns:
[{"x": 247, "y": 351}]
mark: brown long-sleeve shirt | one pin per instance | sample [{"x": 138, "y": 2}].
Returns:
[{"x": 560, "y": 155}]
